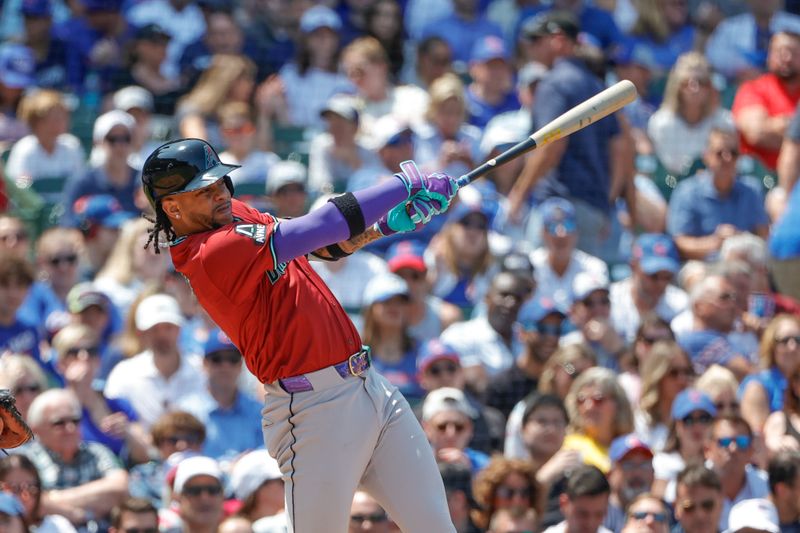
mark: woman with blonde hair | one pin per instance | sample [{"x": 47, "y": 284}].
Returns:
[
  {"x": 664, "y": 29},
  {"x": 130, "y": 265},
  {"x": 779, "y": 358},
  {"x": 22, "y": 375},
  {"x": 599, "y": 412},
  {"x": 721, "y": 386},
  {"x": 506, "y": 484},
  {"x": 665, "y": 373},
  {"x": 690, "y": 110},
  {"x": 49, "y": 153},
  {"x": 446, "y": 141},
  {"x": 229, "y": 78}
]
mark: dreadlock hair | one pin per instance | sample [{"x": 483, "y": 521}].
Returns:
[{"x": 160, "y": 223}]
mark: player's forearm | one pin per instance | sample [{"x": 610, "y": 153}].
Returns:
[
  {"x": 351, "y": 245},
  {"x": 327, "y": 225}
]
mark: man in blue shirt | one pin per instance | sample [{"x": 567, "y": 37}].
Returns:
[
  {"x": 231, "y": 417},
  {"x": 492, "y": 89},
  {"x": 590, "y": 167},
  {"x": 16, "y": 278},
  {"x": 714, "y": 204},
  {"x": 465, "y": 26}
]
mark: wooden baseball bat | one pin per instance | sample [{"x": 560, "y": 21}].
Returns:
[{"x": 598, "y": 106}]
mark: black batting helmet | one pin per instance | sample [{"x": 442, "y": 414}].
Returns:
[{"x": 180, "y": 166}]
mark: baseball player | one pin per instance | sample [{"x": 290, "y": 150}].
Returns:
[{"x": 331, "y": 422}]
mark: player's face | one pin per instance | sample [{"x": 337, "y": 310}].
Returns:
[{"x": 201, "y": 209}]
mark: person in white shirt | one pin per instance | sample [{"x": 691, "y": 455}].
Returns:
[
  {"x": 155, "y": 380},
  {"x": 558, "y": 262},
  {"x": 49, "y": 152},
  {"x": 584, "y": 502},
  {"x": 487, "y": 344},
  {"x": 654, "y": 263}
]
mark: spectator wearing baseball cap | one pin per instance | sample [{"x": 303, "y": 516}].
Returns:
[
  {"x": 755, "y": 515},
  {"x": 386, "y": 332},
  {"x": 654, "y": 263},
  {"x": 198, "y": 491},
  {"x": 392, "y": 140},
  {"x": 286, "y": 187},
  {"x": 257, "y": 482},
  {"x": 692, "y": 415},
  {"x": 631, "y": 475},
  {"x": 337, "y": 153},
  {"x": 428, "y": 314},
  {"x": 448, "y": 421},
  {"x": 17, "y": 66},
  {"x": 558, "y": 261},
  {"x": 140, "y": 103},
  {"x": 111, "y": 172},
  {"x": 492, "y": 89},
  {"x": 155, "y": 380},
  {"x": 582, "y": 22},
  {"x": 49, "y": 157},
  {"x": 230, "y": 415}
]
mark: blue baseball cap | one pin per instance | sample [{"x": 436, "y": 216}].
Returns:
[
  {"x": 102, "y": 209},
  {"x": 218, "y": 341},
  {"x": 36, "y": 8},
  {"x": 17, "y": 66},
  {"x": 10, "y": 505},
  {"x": 102, "y": 5},
  {"x": 472, "y": 200},
  {"x": 633, "y": 53},
  {"x": 656, "y": 252},
  {"x": 487, "y": 48},
  {"x": 691, "y": 400},
  {"x": 384, "y": 287},
  {"x": 558, "y": 216},
  {"x": 434, "y": 350},
  {"x": 406, "y": 254},
  {"x": 320, "y": 17},
  {"x": 622, "y": 446},
  {"x": 536, "y": 309}
]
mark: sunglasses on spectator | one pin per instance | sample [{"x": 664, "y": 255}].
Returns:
[
  {"x": 596, "y": 399},
  {"x": 230, "y": 358},
  {"x": 788, "y": 339},
  {"x": 507, "y": 493},
  {"x": 691, "y": 420},
  {"x": 118, "y": 139},
  {"x": 91, "y": 351},
  {"x": 445, "y": 367},
  {"x": 631, "y": 466},
  {"x": 375, "y": 518},
  {"x": 652, "y": 340},
  {"x": 561, "y": 227},
  {"x": 661, "y": 518},
  {"x": 706, "y": 505},
  {"x": 140, "y": 530},
  {"x": 68, "y": 260},
  {"x": 19, "y": 488},
  {"x": 474, "y": 223},
  {"x": 663, "y": 277},
  {"x": 599, "y": 301},
  {"x": 678, "y": 372},
  {"x": 727, "y": 297},
  {"x": 742, "y": 442},
  {"x": 458, "y": 426},
  {"x": 27, "y": 389},
  {"x": 14, "y": 237},
  {"x": 549, "y": 329},
  {"x": 727, "y": 152},
  {"x": 63, "y": 422},
  {"x": 187, "y": 438},
  {"x": 723, "y": 406},
  {"x": 197, "y": 490}
]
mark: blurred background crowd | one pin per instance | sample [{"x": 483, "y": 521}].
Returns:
[{"x": 604, "y": 335}]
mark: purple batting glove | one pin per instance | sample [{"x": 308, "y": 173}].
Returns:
[{"x": 412, "y": 177}]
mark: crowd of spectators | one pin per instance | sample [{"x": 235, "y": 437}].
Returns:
[{"x": 601, "y": 336}]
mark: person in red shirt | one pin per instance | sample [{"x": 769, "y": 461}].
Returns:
[
  {"x": 763, "y": 106},
  {"x": 332, "y": 423}
]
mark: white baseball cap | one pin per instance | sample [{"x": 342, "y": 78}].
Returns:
[
  {"x": 384, "y": 287},
  {"x": 446, "y": 399},
  {"x": 132, "y": 97},
  {"x": 757, "y": 513},
  {"x": 285, "y": 172},
  {"x": 158, "y": 309},
  {"x": 195, "y": 466},
  {"x": 251, "y": 471},
  {"x": 107, "y": 121},
  {"x": 386, "y": 131},
  {"x": 585, "y": 283}
]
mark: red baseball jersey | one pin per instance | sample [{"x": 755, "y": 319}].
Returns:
[
  {"x": 282, "y": 317},
  {"x": 768, "y": 92}
]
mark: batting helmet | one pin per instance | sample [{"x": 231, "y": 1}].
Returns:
[{"x": 180, "y": 166}]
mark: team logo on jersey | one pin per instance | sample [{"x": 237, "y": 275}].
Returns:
[
  {"x": 257, "y": 232},
  {"x": 275, "y": 275}
]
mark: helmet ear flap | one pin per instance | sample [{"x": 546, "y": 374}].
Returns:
[{"x": 229, "y": 183}]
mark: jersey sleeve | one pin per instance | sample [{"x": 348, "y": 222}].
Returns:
[
  {"x": 748, "y": 95},
  {"x": 237, "y": 258}
]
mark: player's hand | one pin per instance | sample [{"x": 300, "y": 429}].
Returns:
[
  {"x": 438, "y": 189},
  {"x": 406, "y": 216}
]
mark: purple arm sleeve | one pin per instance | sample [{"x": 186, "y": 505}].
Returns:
[{"x": 326, "y": 225}]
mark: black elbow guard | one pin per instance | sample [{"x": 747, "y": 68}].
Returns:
[{"x": 351, "y": 211}]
